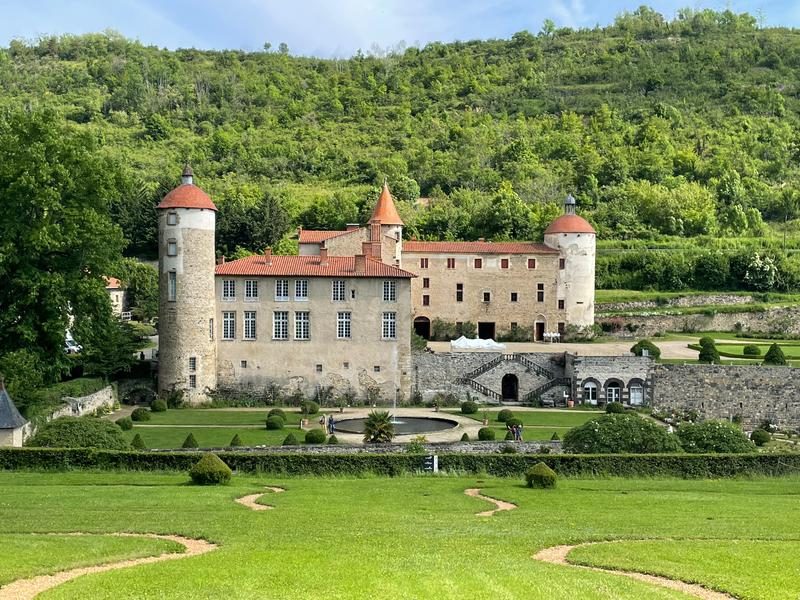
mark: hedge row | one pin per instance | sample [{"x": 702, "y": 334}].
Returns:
[{"x": 503, "y": 465}]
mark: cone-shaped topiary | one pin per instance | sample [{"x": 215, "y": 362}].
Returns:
[
  {"x": 486, "y": 434},
  {"x": 775, "y": 356},
  {"x": 236, "y": 441},
  {"x": 465, "y": 437},
  {"x": 540, "y": 476},
  {"x": 555, "y": 437},
  {"x": 333, "y": 440},
  {"x": 290, "y": 440},
  {"x": 137, "y": 443},
  {"x": 210, "y": 470},
  {"x": 509, "y": 436},
  {"x": 190, "y": 442}
]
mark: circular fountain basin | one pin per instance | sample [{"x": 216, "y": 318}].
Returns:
[{"x": 402, "y": 425}]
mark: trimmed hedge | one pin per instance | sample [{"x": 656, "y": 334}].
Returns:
[
  {"x": 277, "y": 412},
  {"x": 500, "y": 465},
  {"x": 469, "y": 408},
  {"x": 210, "y": 470},
  {"x": 486, "y": 434},
  {"x": 540, "y": 476},
  {"x": 140, "y": 414},
  {"x": 275, "y": 422}
]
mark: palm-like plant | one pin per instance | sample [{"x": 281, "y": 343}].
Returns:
[{"x": 378, "y": 427}]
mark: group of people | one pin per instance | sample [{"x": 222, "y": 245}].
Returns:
[
  {"x": 328, "y": 424},
  {"x": 516, "y": 431}
]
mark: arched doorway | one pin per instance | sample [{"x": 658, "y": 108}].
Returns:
[
  {"x": 590, "y": 392},
  {"x": 422, "y": 327},
  {"x": 613, "y": 391},
  {"x": 510, "y": 387}
]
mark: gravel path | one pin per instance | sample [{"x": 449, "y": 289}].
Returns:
[
  {"x": 250, "y": 500},
  {"x": 500, "y": 504}
]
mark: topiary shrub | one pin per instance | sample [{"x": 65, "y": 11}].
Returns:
[
  {"x": 751, "y": 350},
  {"x": 236, "y": 441},
  {"x": 79, "y": 432},
  {"x": 469, "y": 407},
  {"x": 774, "y": 356},
  {"x": 486, "y": 434},
  {"x": 540, "y": 476},
  {"x": 615, "y": 408},
  {"x": 504, "y": 415},
  {"x": 652, "y": 349},
  {"x": 158, "y": 405},
  {"x": 707, "y": 341},
  {"x": 619, "y": 434},
  {"x": 275, "y": 422},
  {"x": 514, "y": 422},
  {"x": 714, "y": 436},
  {"x": 508, "y": 449},
  {"x": 210, "y": 470},
  {"x": 290, "y": 440},
  {"x": 140, "y": 414},
  {"x": 760, "y": 437},
  {"x": 465, "y": 437},
  {"x": 509, "y": 436},
  {"x": 708, "y": 351},
  {"x": 277, "y": 412},
  {"x": 125, "y": 423},
  {"x": 309, "y": 407},
  {"x": 555, "y": 437},
  {"x": 315, "y": 436},
  {"x": 137, "y": 443},
  {"x": 190, "y": 442},
  {"x": 333, "y": 440}
]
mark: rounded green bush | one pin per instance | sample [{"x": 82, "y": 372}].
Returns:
[
  {"x": 508, "y": 449},
  {"x": 158, "y": 405},
  {"x": 309, "y": 407},
  {"x": 316, "y": 436},
  {"x": 514, "y": 422},
  {"x": 465, "y": 437},
  {"x": 140, "y": 414},
  {"x": 760, "y": 437},
  {"x": 620, "y": 434},
  {"x": 615, "y": 408},
  {"x": 469, "y": 408},
  {"x": 125, "y": 423},
  {"x": 190, "y": 442},
  {"x": 714, "y": 436},
  {"x": 333, "y": 440},
  {"x": 775, "y": 356},
  {"x": 235, "y": 441},
  {"x": 275, "y": 422},
  {"x": 277, "y": 412},
  {"x": 707, "y": 341},
  {"x": 751, "y": 350},
  {"x": 79, "y": 432},
  {"x": 210, "y": 470},
  {"x": 652, "y": 349},
  {"x": 290, "y": 440},
  {"x": 540, "y": 476},
  {"x": 486, "y": 434},
  {"x": 504, "y": 415},
  {"x": 137, "y": 443}
]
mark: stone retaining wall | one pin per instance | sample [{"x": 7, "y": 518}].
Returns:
[
  {"x": 79, "y": 407},
  {"x": 602, "y": 370},
  {"x": 430, "y": 448},
  {"x": 681, "y": 301}
]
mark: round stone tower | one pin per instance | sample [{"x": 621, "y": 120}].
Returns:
[
  {"x": 575, "y": 239},
  {"x": 187, "y": 357}
]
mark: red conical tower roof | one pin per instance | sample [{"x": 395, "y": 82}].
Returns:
[
  {"x": 385, "y": 210},
  {"x": 187, "y": 195}
]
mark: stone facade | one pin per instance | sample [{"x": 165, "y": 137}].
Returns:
[
  {"x": 753, "y": 393},
  {"x": 680, "y": 301},
  {"x": 601, "y": 379}
]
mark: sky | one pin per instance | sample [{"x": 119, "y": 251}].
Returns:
[{"x": 335, "y": 28}]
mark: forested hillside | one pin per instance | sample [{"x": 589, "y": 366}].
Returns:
[{"x": 659, "y": 128}]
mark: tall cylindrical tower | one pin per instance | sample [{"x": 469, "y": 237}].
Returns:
[
  {"x": 575, "y": 239},
  {"x": 187, "y": 357}
]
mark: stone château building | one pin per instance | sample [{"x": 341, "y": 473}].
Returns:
[{"x": 340, "y": 314}]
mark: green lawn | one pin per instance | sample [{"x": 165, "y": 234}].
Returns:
[
  {"x": 745, "y": 568},
  {"x": 406, "y": 537},
  {"x": 210, "y": 416},
  {"x": 211, "y": 437},
  {"x": 537, "y": 425}
]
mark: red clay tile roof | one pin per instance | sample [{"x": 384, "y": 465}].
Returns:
[
  {"x": 477, "y": 248},
  {"x": 570, "y": 224},
  {"x": 308, "y": 266},
  {"x": 308, "y": 236},
  {"x": 112, "y": 283},
  {"x": 385, "y": 210},
  {"x": 187, "y": 195}
]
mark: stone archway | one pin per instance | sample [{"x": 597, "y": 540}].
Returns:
[
  {"x": 510, "y": 386},
  {"x": 422, "y": 327}
]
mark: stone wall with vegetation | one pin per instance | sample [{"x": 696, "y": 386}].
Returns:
[
  {"x": 753, "y": 394},
  {"x": 102, "y": 400}
]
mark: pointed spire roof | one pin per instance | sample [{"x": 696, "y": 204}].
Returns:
[
  {"x": 385, "y": 210},
  {"x": 9, "y": 415}
]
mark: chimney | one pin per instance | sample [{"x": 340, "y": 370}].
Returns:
[
  {"x": 360, "y": 263},
  {"x": 267, "y": 256},
  {"x": 353, "y": 226},
  {"x": 481, "y": 239},
  {"x": 221, "y": 260},
  {"x": 323, "y": 257},
  {"x": 366, "y": 248}
]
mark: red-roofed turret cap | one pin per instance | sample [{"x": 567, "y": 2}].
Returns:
[
  {"x": 569, "y": 222},
  {"x": 385, "y": 210},
  {"x": 187, "y": 195}
]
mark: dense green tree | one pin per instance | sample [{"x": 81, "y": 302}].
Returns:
[
  {"x": 141, "y": 283},
  {"x": 619, "y": 433},
  {"x": 775, "y": 356},
  {"x": 714, "y": 436}
]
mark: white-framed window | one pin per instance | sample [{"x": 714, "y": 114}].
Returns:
[
  {"x": 172, "y": 248},
  {"x": 343, "y": 330},
  {"x": 172, "y": 218},
  {"x": 301, "y": 289},
  {"x": 193, "y": 363},
  {"x": 228, "y": 325},
  {"x": 389, "y": 326},
  {"x": 280, "y": 325},
  {"x": 337, "y": 290},
  {"x": 590, "y": 392},
  {"x": 228, "y": 290},
  {"x": 390, "y": 291},
  {"x": 282, "y": 289},
  {"x": 193, "y": 381},
  {"x": 636, "y": 394},
  {"x": 249, "y": 324},
  {"x": 250, "y": 290},
  {"x": 613, "y": 392},
  {"x": 172, "y": 286},
  {"x": 302, "y": 325}
]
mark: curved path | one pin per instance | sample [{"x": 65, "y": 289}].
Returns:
[
  {"x": 500, "y": 504},
  {"x": 23, "y": 589},
  {"x": 250, "y": 500},
  {"x": 557, "y": 555}
]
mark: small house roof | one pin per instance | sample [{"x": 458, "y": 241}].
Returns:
[{"x": 9, "y": 415}]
